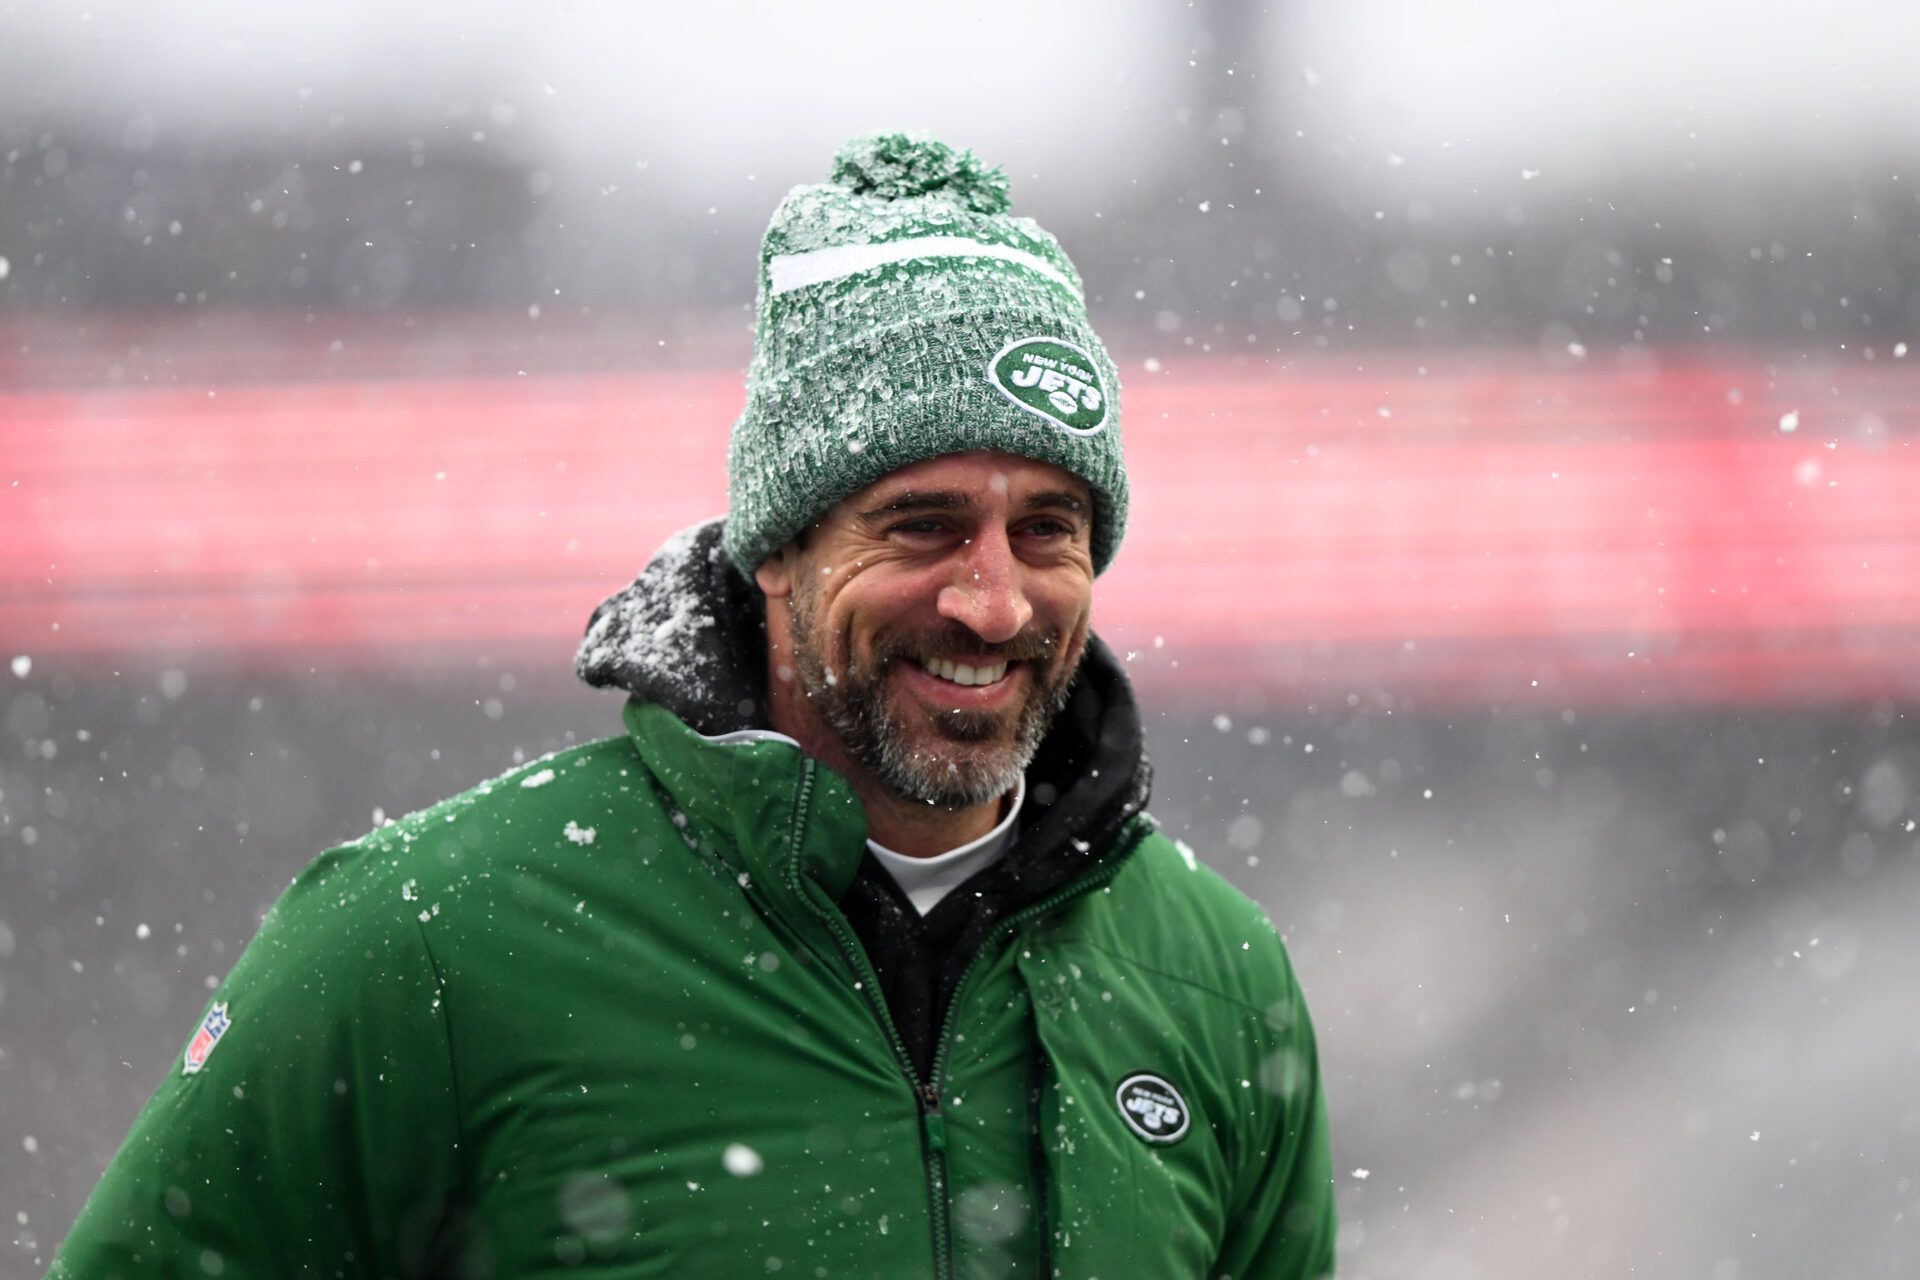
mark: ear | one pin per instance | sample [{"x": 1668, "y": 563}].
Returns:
[{"x": 775, "y": 574}]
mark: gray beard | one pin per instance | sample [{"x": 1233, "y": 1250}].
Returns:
[{"x": 963, "y": 766}]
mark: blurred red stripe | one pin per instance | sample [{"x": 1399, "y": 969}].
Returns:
[{"x": 1284, "y": 530}]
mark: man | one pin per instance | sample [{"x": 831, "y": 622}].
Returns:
[{"x": 857, "y": 955}]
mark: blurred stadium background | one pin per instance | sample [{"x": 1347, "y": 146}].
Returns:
[{"x": 1524, "y": 583}]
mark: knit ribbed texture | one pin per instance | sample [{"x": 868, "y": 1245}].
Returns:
[{"x": 898, "y": 309}]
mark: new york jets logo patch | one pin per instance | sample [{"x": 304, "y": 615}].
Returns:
[
  {"x": 1152, "y": 1108},
  {"x": 1054, "y": 380}
]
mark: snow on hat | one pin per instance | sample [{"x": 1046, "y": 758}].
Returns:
[{"x": 905, "y": 314}]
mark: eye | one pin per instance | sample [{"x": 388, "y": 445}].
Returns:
[
  {"x": 918, "y": 528},
  {"x": 1049, "y": 528}
]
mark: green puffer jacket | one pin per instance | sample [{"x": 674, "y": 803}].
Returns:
[{"x": 605, "y": 1016}]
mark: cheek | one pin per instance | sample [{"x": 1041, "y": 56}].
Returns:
[
  {"x": 847, "y": 630},
  {"x": 1074, "y": 624},
  {"x": 878, "y": 604},
  {"x": 1063, "y": 605}
]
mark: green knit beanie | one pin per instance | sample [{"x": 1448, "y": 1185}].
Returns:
[{"x": 904, "y": 314}]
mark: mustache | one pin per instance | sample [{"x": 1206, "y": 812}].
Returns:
[{"x": 1033, "y": 645}]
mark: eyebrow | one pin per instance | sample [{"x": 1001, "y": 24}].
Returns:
[
  {"x": 921, "y": 500},
  {"x": 1052, "y": 498},
  {"x": 961, "y": 500}
]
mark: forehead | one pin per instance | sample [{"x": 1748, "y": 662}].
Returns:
[{"x": 984, "y": 473}]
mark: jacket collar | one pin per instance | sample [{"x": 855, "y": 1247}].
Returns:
[{"x": 752, "y": 801}]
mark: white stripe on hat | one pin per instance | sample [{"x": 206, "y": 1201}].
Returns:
[{"x": 790, "y": 271}]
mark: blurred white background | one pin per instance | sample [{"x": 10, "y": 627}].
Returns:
[{"x": 1526, "y": 580}]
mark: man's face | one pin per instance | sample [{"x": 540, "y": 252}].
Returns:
[{"x": 937, "y": 618}]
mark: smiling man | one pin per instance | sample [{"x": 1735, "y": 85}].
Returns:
[{"x": 858, "y": 954}]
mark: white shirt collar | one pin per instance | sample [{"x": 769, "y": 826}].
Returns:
[{"x": 927, "y": 880}]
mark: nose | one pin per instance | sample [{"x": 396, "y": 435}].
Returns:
[{"x": 988, "y": 595}]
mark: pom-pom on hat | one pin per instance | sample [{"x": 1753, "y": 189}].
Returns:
[{"x": 905, "y": 314}]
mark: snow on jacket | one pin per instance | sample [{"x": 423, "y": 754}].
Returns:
[{"x": 613, "y": 1014}]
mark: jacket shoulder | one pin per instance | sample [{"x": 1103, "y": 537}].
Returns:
[
  {"x": 605, "y": 768},
  {"x": 1168, "y": 911},
  {"x": 351, "y": 906},
  {"x": 552, "y": 800}
]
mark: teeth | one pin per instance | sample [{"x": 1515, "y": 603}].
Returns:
[{"x": 962, "y": 673}]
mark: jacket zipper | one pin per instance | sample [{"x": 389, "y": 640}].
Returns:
[
  {"x": 1037, "y": 1154},
  {"x": 1086, "y": 883},
  {"x": 933, "y": 1126},
  {"x": 926, "y": 1093}
]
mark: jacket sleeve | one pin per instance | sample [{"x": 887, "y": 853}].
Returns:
[
  {"x": 1285, "y": 1220},
  {"x": 319, "y": 1135}
]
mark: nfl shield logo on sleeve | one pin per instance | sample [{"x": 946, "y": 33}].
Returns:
[{"x": 212, "y": 1027}]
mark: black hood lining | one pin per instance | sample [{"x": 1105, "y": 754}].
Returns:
[{"x": 690, "y": 634}]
